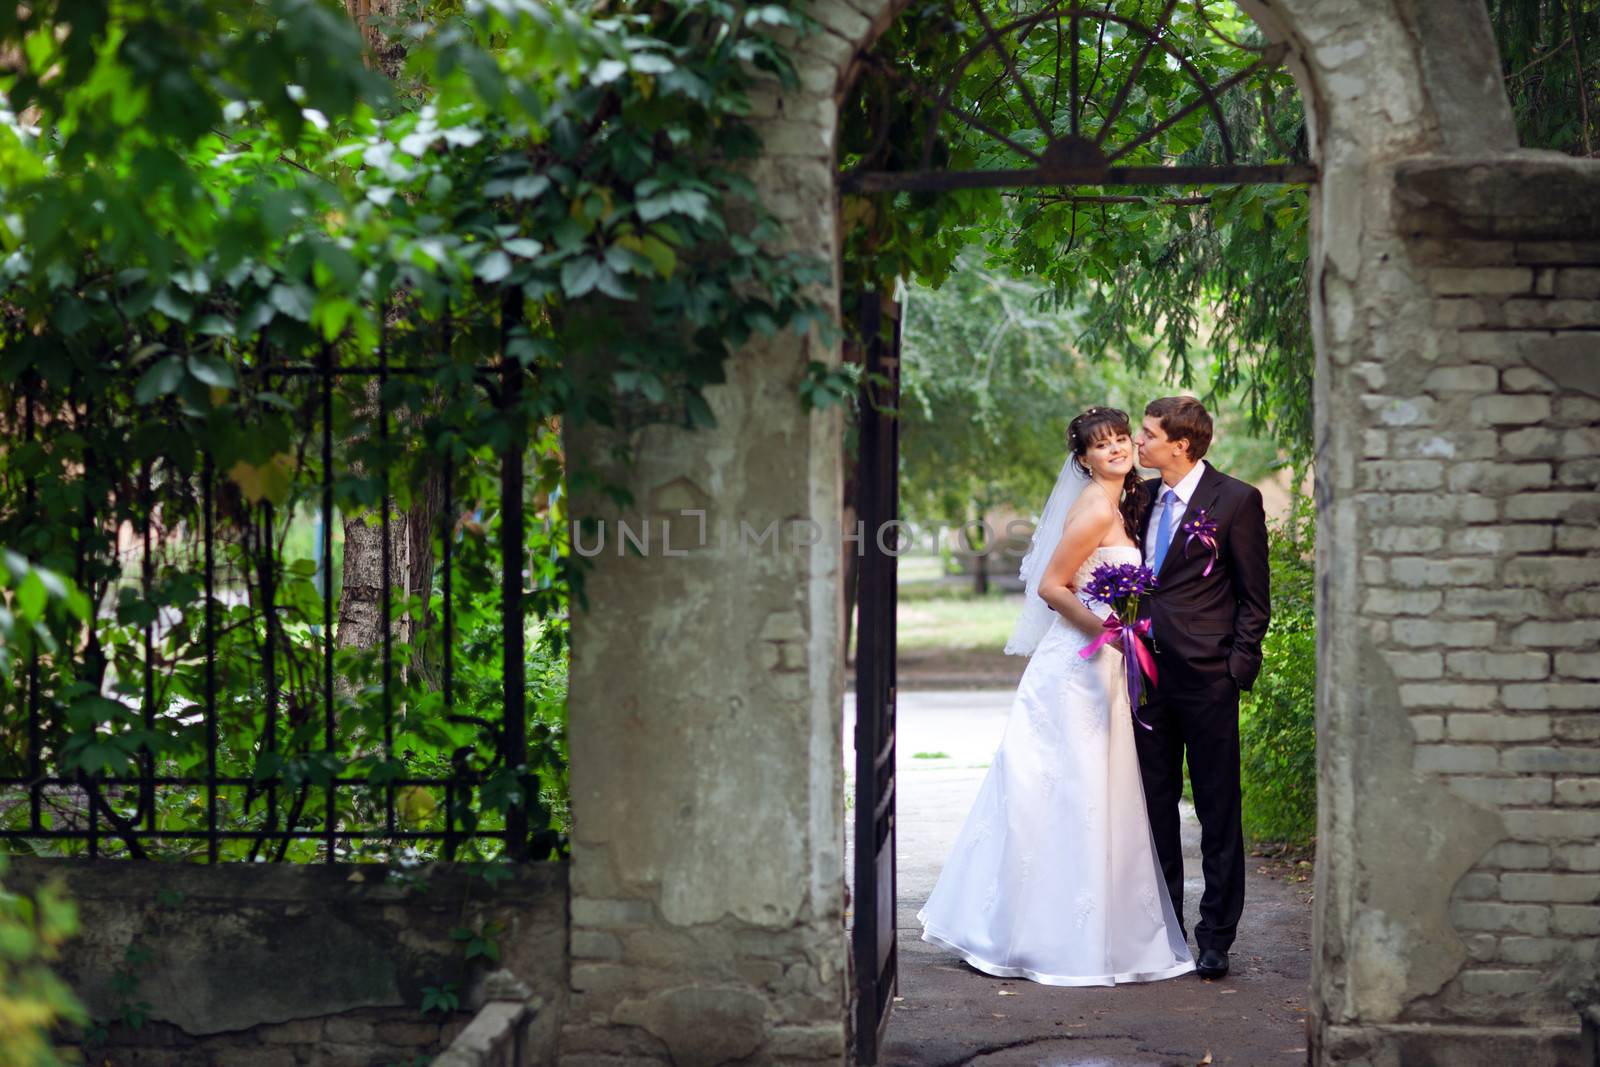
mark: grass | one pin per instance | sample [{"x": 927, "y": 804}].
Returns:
[
  {"x": 957, "y": 620},
  {"x": 931, "y": 755}
]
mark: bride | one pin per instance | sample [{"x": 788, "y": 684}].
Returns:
[{"x": 1054, "y": 876}]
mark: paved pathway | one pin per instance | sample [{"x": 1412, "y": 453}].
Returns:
[{"x": 950, "y": 1014}]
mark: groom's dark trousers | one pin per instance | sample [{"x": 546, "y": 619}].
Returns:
[
  {"x": 1205, "y": 721},
  {"x": 1209, "y": 613}
]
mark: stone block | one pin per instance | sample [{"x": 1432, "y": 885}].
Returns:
[
  {"x": 1576, "y": 727},
  {"x": 1432, "y": 571},
  {"x": 826, "y": 1042},
  {"x": 1561, "y": 695},
  {"x": 1467, "y": 281},
  {"x": 1382, "y": 601},
  {"x": 1577, "y": 790},
  {"x": 1415, "y": 665},
  {"x": 1407, "y": 539},
  {"x": 1529, "y": 950},
  {"x": 1428, "y": 507},
  {"x": 1435, "y": 695},
  {"x": 1572, "y": 410},
  {"x": 1496, "y": 602},
  {"x": 700, "y": 1023},
  {"x": 1500, "y": 666},
  {"x": 1468, "y": 378},
  {"x": 1519, "y": 855},
  {"x": 1421, "y": 633},
  {"x": 1580, "y": 253},
  {"x": 1522, "y": 410},
  {"x": 1427, "y": 727},
  {"x": 595, "y": 945},
  {"x": 1457, "y": 759},
  {"x": 1533, "y": 919},
  {"x": 1577, "y": 538},
  {"x": 1456, "y": 444},
  {"x": 1547, "y": 314},
  {"x": 1400, "y": 411},
  {"x": 1524, "y": 380},
  {"x": 1482, "y": 477},
  {"x": 1575, "y": 857},
  {"x": 1532, "y": 441},
  {"x": 1550, "y": 887},
  {"x": 603, "y": 913},
  {"x": 1498, "y": 540},
  {"x": 347, "y": 1030},
  {"x": 1578, "y": 664},
  {"x": 1584, "y": 473},
  {"x": 408, "y": 1034},
  {"x": 1546, "y": 506},
  {"x": 1461, "y": 313},
  {"x": 1500, "y": 983},
  {"x": 1573, "y": 920},
  {"x": 1534, "y": 825},
  {"x": 1551, "y": 572},
  {"x": 1497, "y": 728},
  {"x": 1547, "y": 759},
  {"x": 1578, "y": 283},
  {"x": 276, "y": 1056}
]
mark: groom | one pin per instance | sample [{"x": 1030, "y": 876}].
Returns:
[{"x": 1209, "y": 613}]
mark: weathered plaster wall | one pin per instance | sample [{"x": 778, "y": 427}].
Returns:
[
  {"x": 1478, "y": 573},
  {"x": 262, "y": 965},
  {"x": 707, "y": 843}
]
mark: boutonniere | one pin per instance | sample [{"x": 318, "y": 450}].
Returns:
[{"x": 1203, "y": 528}]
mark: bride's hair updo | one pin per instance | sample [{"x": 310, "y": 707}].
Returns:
[{"x": 1091, "y": 426}]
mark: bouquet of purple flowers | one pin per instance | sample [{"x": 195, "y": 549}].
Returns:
[{"x": 1121, "y": 585}]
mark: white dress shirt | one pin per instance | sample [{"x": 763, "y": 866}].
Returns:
[{"x": 1185, "y": 490}]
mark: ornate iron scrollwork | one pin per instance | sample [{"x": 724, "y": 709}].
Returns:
[{"x": 1076, "y": 136}]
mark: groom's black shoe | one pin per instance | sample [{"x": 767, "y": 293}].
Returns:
[{"x": 1213, "y": 963}]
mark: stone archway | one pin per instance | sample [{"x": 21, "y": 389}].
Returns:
[{"x": 1455, "y": 295}]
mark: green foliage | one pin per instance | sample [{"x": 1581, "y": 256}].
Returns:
[
  {"x": 991, "y": 374},
  {"x": 1174, "y": 288},
  {"x": 206, "y": 193},
  {"x": 1543, "y": 46},
  {"x": 33, "y": 1001},
  {"x": 1278, "y": 717},
  {"x": 1211, "y": 293},
  {"x": 443, "y": 999}
]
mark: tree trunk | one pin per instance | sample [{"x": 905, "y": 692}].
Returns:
[
  {"x": 382, "y": 53},
  {"x": 410, "y": 560}
]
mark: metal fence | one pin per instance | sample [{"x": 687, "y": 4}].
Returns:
[{"x": 286, "y": 746}]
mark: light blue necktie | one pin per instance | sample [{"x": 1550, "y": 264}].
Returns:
[{"x": 1169, "y": 504}]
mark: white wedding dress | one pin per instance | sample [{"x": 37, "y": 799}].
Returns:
[{"x": 1054, "y": 875}]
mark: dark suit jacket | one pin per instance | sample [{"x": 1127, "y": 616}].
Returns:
[{"x": 1207, "y": 627}]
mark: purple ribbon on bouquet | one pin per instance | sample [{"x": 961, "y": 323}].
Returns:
[
  {"x": 1202, "y": 528},
  {"x": 1136, "y": 658}
]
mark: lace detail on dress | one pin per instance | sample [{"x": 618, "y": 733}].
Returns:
[
  {"x": 1043, "y": 723},
  {"x": 1152, "y": 907},
  {"x": 1083, "y": 909},
  {"x": 1094, "y": 718},
  {"x": 1050, "y": 776}
]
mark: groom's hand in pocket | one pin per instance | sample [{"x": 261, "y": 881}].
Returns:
[{"x": 1243, "y": 668}]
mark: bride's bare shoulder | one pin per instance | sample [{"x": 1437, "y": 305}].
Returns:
[{"x": 1092, "y": 507}]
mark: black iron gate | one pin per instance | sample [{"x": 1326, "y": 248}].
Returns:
[{"x": 878, "y": 503}]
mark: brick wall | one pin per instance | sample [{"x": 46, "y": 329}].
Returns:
[{"x": 1482, "y": 575}]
